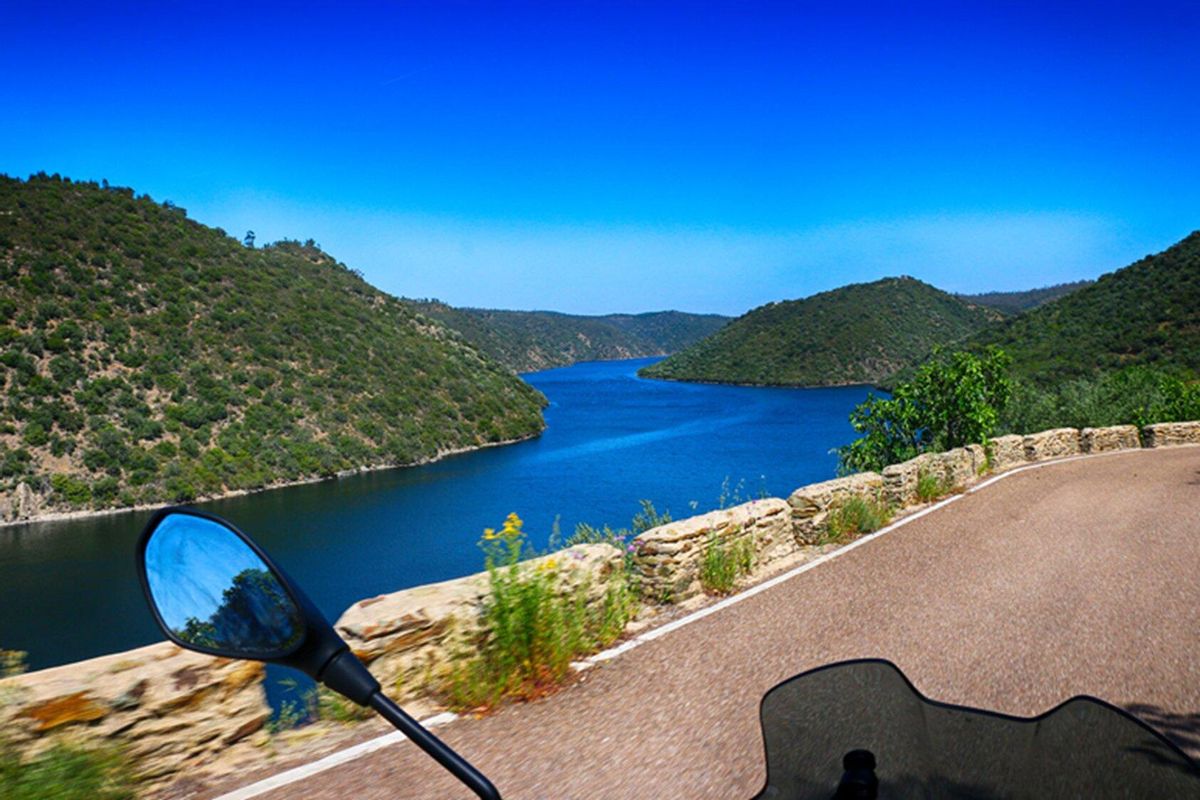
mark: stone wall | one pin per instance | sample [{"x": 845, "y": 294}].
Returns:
[
  {"x": 1167, "y": 434},
  {"x": 1056, "y": 443},
  {"x": 1105, "y": 440},
  {"x": 409, "y": 639},
  {"x": 172, "y": 709},
  {"x": 954, "y": 468},
  {"x": 668, "y": 557},
  {"x": 811, "y": 504},
  {"x": 1007, "y": 452}
]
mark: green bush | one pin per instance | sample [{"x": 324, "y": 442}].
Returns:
[
  {"x": 73, "y": 490},
  {"x": 65, "y": 773},
  {"x": 952, "y": 400},
  {"x": 531, "y": 626},
  {"x": 1132, "y": 396},
  {"x": 724, "y": 562},
  {"x": 854, "y": 517},
  {"x": 931, "y": 487}
]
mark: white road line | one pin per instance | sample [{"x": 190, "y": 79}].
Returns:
[
  {"x": 351, "y": 753},
  {"x": 329, "y": 762}
]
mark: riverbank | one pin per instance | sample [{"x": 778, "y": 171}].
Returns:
[{"x": 61, "y": 516}]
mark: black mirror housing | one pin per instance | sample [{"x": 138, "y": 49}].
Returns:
[{"x": 319, "y": 652}]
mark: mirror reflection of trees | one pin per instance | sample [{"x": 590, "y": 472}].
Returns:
[{"x": 255, "y": 615}]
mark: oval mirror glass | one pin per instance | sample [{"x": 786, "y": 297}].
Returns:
[{"x": 212, "y": 591}]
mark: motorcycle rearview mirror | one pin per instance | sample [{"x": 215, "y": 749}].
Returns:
[{"x": 212, "y": 589}]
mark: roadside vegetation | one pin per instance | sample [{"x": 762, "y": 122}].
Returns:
[
  {"x": 535, "y": 621},
  {"x": 854, "y": 517},
  {"x": 64, "y": 771},
  {"x": 964, "y": 398},
  {"x": 724, "y": 561}
]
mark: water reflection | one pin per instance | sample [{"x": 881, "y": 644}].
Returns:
[{"x": 212, "y": 589}]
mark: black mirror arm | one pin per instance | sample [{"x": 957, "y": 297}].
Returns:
[
  {"x": 346, "y": 675},
  {"x": 435, "y": 747}
]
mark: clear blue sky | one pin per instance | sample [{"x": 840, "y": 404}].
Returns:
[{"x": 634, "y": 156}]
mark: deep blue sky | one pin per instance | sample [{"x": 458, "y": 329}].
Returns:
[{"x": 627, "y": 157}]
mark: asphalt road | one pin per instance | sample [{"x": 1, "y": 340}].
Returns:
[{"x": 1079, "y": 577}]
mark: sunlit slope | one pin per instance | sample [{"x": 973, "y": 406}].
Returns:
[
  {"x": 1146, "y": 313},
  {"x": 533, "y": 340},
  {"x": 860, "y": 333},
  {"x": 147, "y": 357}
]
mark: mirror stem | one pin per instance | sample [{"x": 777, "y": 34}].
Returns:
[{"x": 456, "y": 764}]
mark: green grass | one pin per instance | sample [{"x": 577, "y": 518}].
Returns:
[
  {"x": 932, "y": 487},
  {"x": 725, "y": 561},
  {"x": 532, "y": 625},
  {"x": 854, "y": 517},
  {"x": 65, "y": 773}
]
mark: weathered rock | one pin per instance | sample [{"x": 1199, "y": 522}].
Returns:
[
  {"x": 409, "y": 639},
  {"x": 1167, "y": 434},
  {"x": 979, "y": 459},
  {"x": 59, "y": 711},
  {"x": 27, "y": 502},
  {"x": 669, "y": 556},
  {"x": 170, "y": 708},
  {"x": 1055, "y": 443},
  {"x": 1007, "y": 452},
  {"x": 900, "y": 482},
  {"x": 1103, "y": 440},
  {"x": 811, "y": 504},
  {"x": 955, "y": 468}
]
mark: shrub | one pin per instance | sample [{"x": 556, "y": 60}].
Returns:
[
  {"x": 725, "y": 561},
  {"x": 951, "y": 401},
  {"x": 930, "y": 487},
  {"x": 853, "y": 517},
  {"x": 73, "y": 490},
  {"x": 531, "y": 625},
  {"x": 65, "y": 773}
]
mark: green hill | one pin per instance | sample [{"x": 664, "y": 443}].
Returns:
[
  {"x": 149, "y": 358},
  {"x": 533, "y": 340},
  {"x": 1016, "y": 302},
  {"x": 860, "y": 333},
  {"x": 1147, "y": 313}
]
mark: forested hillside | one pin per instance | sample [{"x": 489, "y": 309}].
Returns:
[
  {"x": 533, "y": 340},
  {"x": 149, "y": 358},
  {"x": 860, "y": 333},
  {"x": 1147, "y": 313},
  {"x": 1016, "y": 302}
]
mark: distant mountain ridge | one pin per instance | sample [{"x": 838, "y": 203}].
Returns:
[
  {"x": 1016, "y": 302},
  {"x": 1145, "y": 313},
  {"x": 860, "y": 333},
  {"x": 149, "y": 358},
  {"x": 527, "y": 341}
]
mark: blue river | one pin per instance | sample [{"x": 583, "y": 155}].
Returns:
[{"x": 68, "y": 589}]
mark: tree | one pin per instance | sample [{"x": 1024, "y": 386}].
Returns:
[
  {"x": 248, "y": 239},
  {"x": 952, "y": 400}
]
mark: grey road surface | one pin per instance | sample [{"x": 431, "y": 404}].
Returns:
[{"x": 1079, "y": 577}]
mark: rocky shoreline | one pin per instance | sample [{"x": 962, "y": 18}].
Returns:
[{"x": 25, "y": 507}]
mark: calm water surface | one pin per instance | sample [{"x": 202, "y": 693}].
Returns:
[{"x": 68, "y": 590}]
